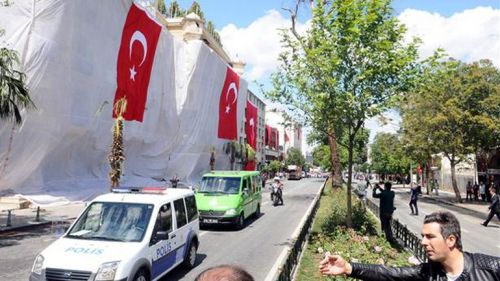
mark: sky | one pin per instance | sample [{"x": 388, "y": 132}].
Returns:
[{"x": 468, "y": 30}]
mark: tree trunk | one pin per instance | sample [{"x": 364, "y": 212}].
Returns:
[
  {"x": 334, "y": 154},
  {"x": 454, "y": 182},
  {"x": 349, "y": 182}
]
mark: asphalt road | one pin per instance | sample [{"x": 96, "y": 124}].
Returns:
[
  {"x": 256, "y": 247},
  {"x": 475, "y": 237}
]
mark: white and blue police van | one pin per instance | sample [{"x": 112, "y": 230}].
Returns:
[{"x": 130, "y": 234}]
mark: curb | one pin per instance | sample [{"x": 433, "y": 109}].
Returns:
[
  {"x": 24, "y": 226},
  {"x": 474, "y": 213}
]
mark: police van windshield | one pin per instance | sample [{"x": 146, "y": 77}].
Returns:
[
  {"x": 220, "y": 185},
  {"x": 112, "y": 221}
]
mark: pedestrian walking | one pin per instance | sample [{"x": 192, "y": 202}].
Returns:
[
  {"x": 494, "y": 206},
  {"x": 468, "y": 189},
  {"x": 482, "y": 191},
  {"x": 415, "y": 191},
  {"x": 386, "y": 208},
  {"x": 447, "y": 261}
]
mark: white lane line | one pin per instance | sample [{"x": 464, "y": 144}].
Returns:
[
  {"x": 465, "y": 230},
  {"x": 203, "y": 233}
]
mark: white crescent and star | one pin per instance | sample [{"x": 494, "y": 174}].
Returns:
[
  {"x": 139, "y": 37},
  {"x": 232, "y": 86}
]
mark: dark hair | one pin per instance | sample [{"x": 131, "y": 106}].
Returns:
[
  {"x": 387, "y": 185},
  {"x": 224, "y": 273},
  {"x": 449, "y": 225}
]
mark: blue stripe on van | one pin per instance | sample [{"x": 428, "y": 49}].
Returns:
[{"x": 163, "y": 264}]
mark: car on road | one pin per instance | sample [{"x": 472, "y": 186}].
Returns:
[
  {"x": 229, "y": 197},
  {"x": 130, "y": 234}
]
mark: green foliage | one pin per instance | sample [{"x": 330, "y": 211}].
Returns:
[
  {"x": 321, "y": 157},
  {"x": 274, "y": 166},
  {"x": 352, "y": 64},
  {"x": 349, "y": 243},
  {"x": 362, "y": 221},
  {"x": 160, "y": 5},
  {"x": 360, "y": 153},
  {"x": 294, "y": 157},
  {"x": 388, "y": 155},
  {"x": 14, "y": 94},
  {"x": 195, "y": 8},
  {"x": 455, "y": 110},
  {"x": 175, "y": 10}
]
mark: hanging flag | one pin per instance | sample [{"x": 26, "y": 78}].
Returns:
[
  {"x": 287, "y": 139},
  {"x": 251, "y": 124},
  {"x": 268, "y": 136},
  {"x": 228, "y": 102},
  {"x": 277, "y": 139},
  {"x": 135, "y": 58}
]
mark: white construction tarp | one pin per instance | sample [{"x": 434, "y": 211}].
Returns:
[{"x": 68, "y": 50}]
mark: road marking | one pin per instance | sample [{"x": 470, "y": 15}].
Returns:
[
  {"x": 465, "y": 230},
  {"x": 203, "y": 233}
]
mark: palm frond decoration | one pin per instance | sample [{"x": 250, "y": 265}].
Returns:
[{"x": 117, "y": 157}]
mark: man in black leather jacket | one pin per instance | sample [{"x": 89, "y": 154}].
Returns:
[{"x": 447, "y": 262}]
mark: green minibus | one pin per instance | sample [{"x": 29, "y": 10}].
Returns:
[{"x": 229, "y": 197}]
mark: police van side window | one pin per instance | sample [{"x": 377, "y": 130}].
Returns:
[
  {"x": 180, "y": 212},
  {"x": 164, "y": 220},
  {"x": 192, "y": 212}
]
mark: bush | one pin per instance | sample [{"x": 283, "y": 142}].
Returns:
[{"x": 357, "y": 244}]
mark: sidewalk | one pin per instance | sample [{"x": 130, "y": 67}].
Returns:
[
  {"x": 477, "y": 209},
  {"x": 51, "y": 215}
]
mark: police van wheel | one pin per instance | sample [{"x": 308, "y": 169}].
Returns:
[
  {"x": 190, "y": 259},
  {"x": 141, "y": 275}
]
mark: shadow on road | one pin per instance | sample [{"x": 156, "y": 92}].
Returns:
[{"x": 180, "y": 272}]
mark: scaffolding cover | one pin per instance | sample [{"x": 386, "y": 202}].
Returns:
[{"x": 68, "y": 50}]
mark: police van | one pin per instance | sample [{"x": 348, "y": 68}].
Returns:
[{"x": 130, "y": 234}]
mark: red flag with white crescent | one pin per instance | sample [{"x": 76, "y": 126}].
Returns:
[
  {"x": 135, "y": 59},
  {"x": 228, "y": 104},
  {"x": 251, "y": 124}
]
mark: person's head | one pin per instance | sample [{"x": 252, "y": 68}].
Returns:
[
  {"x": 493, "y": 190},
  {"x": 276, "y": 179},
  {"x": 441, "y": 235},
  {"x": 387, "y": 185},
  {"x": 224, "y": 273}
]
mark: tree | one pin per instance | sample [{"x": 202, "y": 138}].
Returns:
[
  {"x": 196, "y": 8},
  {"x": 160, "y": 6},
  {"x": 175, "y": 11},
  {"x": 455, "y": 110},
  {"x": 349, "y": 66},
  {"x": 14, "y": 95},
  {"x": 388, "y": 155},
  {"x": 294, "y": 157},
  {"x": 360, "y": 153}
]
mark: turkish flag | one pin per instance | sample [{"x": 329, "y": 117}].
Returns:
[
  {"x": 228, "y": 104},
  {"x": 251, "y": 124},
  {"x": 135, "y": 58},
  {"x": 250, "y": 166}
]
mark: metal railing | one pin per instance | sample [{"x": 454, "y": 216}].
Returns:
[
  {"x": 407, "y": 238},
  {"x": 287, "y": 270}
]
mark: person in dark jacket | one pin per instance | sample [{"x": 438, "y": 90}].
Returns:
[
  {"x": 415, "y": 190},
  {"x": 494, "y": 206},
  {"x": 441, "y": 239},
  {"x": 386, "y": 208}
]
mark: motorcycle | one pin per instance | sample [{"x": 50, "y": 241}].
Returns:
[{"x": 276, "y": 194}]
